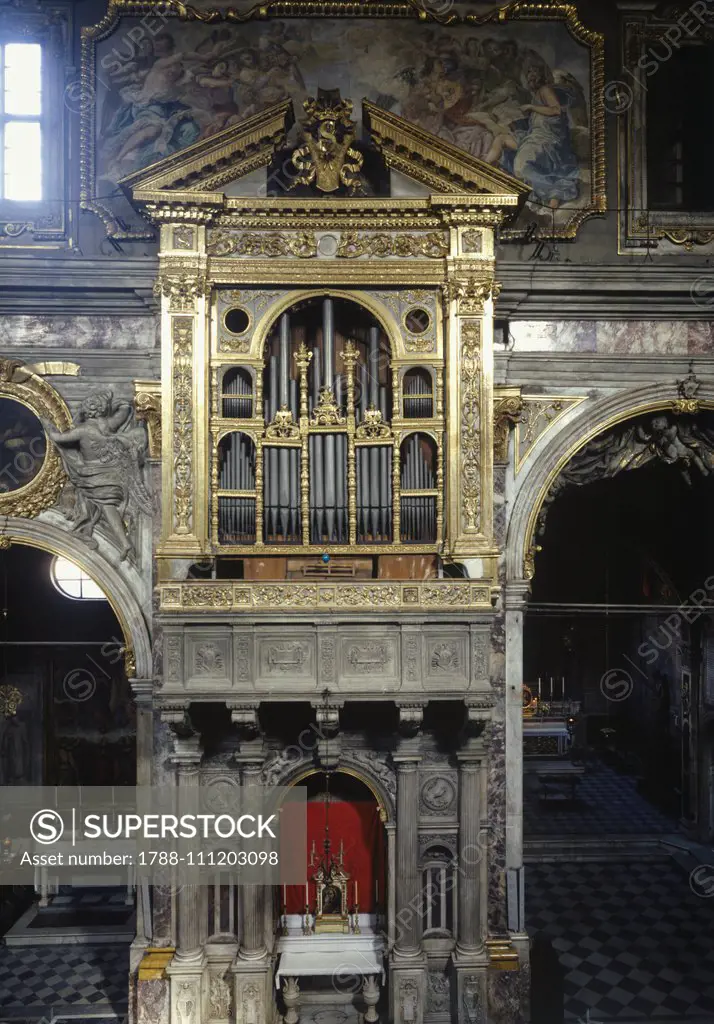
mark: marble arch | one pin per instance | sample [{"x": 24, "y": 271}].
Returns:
[
  {"x": 551, "y": 453},
  {"x": 120, "y": 592},
  {"x": 345, "y": 766}
]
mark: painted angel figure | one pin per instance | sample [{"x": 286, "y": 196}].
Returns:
[{"x": 103, "y": 455}]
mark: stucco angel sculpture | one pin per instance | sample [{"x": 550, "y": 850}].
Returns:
[
  {"x": 103, "y": 454},
  {"x": 679, "y": 441}
]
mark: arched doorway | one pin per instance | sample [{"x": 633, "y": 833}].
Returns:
[
  {"x": 66, "y": 719},
  {"x": 616, "y": 636},
  {"x": 342, "y": 906}
]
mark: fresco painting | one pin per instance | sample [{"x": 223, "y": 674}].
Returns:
[{"x": 516, "y": 95}]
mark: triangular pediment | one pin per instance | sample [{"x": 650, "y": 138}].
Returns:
[
  {"x": 203, "y": 172},
  {"x": 426, "y": 158},
  {"x": 209, "y": 165}
]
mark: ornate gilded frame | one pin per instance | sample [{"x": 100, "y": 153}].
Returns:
[
  {"x": 23, "y": 386},
  {"x": 407, "y": 9},
  {"x": 638, "y": 226}
]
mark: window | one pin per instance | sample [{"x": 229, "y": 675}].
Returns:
[
  {"x": 21, "y": 121},
  {"x": 680, "y": 150},
  {"x": 71, "y": 581}
]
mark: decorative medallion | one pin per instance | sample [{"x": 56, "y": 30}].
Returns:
[{"x": 438, "y": 795}]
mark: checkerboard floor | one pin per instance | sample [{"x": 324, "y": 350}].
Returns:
[
  {"x": 607, "y": 803},
  {"x": 46, "y": 980},
  {"x": 635, "y": 941}
]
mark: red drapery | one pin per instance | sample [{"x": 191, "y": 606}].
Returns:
[{"x": 357, "y": 824}]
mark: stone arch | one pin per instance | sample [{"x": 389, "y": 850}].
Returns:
[
  {"x": 296, "y": 772},
  {"x": 552, "y": 452},
  {"x": 42, "y": 534}
]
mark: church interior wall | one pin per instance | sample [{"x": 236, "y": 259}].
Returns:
[{"x": 586, "y": 327}]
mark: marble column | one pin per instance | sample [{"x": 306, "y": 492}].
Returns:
[
  {"x": 143, "y": 691},
  {"x": 186, "y": 969},
  {"x": 470, "y": 957},
  {"x": 187, "y": 760},
  {"x": 469, "y": 939},
  {"x": 252, "y": 945},
  {"x": 408, "y": 888},
  {"x": 407, "y": 961},
  {"x": 254, "y": 999},
  {"x": 516, "y": 594}
]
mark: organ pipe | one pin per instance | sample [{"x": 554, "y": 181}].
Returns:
[{"x": 333, "y": 480}]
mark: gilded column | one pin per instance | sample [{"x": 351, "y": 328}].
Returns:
[{"x": 183, "y": 287}]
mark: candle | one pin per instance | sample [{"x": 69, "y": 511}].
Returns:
[
  {"x": 551, "y": 687},
  {"x": 285, "y": 896},
  {"x": 538, "y": 687},
  {"x": 356, "y": 895},
  {"x": 376, "y": 893},
  {"x": 562, "y": 681},
  {"x": 307, "y": 895}
]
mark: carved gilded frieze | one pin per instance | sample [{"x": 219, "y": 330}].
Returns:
[
  {"x": 470, "y": 433},
  {"x": 182, "y": 328},
  {"x": 358, "y": 597}
]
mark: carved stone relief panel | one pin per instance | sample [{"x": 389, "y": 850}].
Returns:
[
  {"x": 243, "y": 658},
  {"x": 209, "y": 658},
  {"x": 173, "y": 659},
  {"x": 437, "y": 797},
  {"x": 370, "y": 658},
  {"x": 446, "y": 659},
  {"x": 480, "y": 658},
  {"x": 289, "y": 657}
]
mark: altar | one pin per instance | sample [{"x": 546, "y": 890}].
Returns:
[{"x": 354, "y": 963}]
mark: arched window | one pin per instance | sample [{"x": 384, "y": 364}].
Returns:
[
  {"x": 73, "y": 582},
  {"x": 417, "y": 394},
  {"x": 439, "y": 889},
  {"x": 327, "y": 366},
  {"x": 418, "y": 489},
  {"x": 237, "y": 394},
  {"x": 236, "y": 489}
]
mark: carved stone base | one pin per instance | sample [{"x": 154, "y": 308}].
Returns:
[
  {"x": 408, "y": 991},
  {"x": 253, "y": 995},
  {"x": 186, "y": 985},
  {"x": 469, "y": 994}
]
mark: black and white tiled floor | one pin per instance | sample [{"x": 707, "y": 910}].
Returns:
[
  {"x": 51, "y": 980},
  {"x": 607, "y": 803},
  {"x": 635, "y": 941}
]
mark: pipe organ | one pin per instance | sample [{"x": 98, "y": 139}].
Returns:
[{"x": 326, "y": 439}]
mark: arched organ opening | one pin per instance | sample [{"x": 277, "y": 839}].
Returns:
[{"x": 330, "y": 454}]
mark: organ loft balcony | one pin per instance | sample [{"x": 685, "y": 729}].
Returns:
[{"x": 327, "y": 366}]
